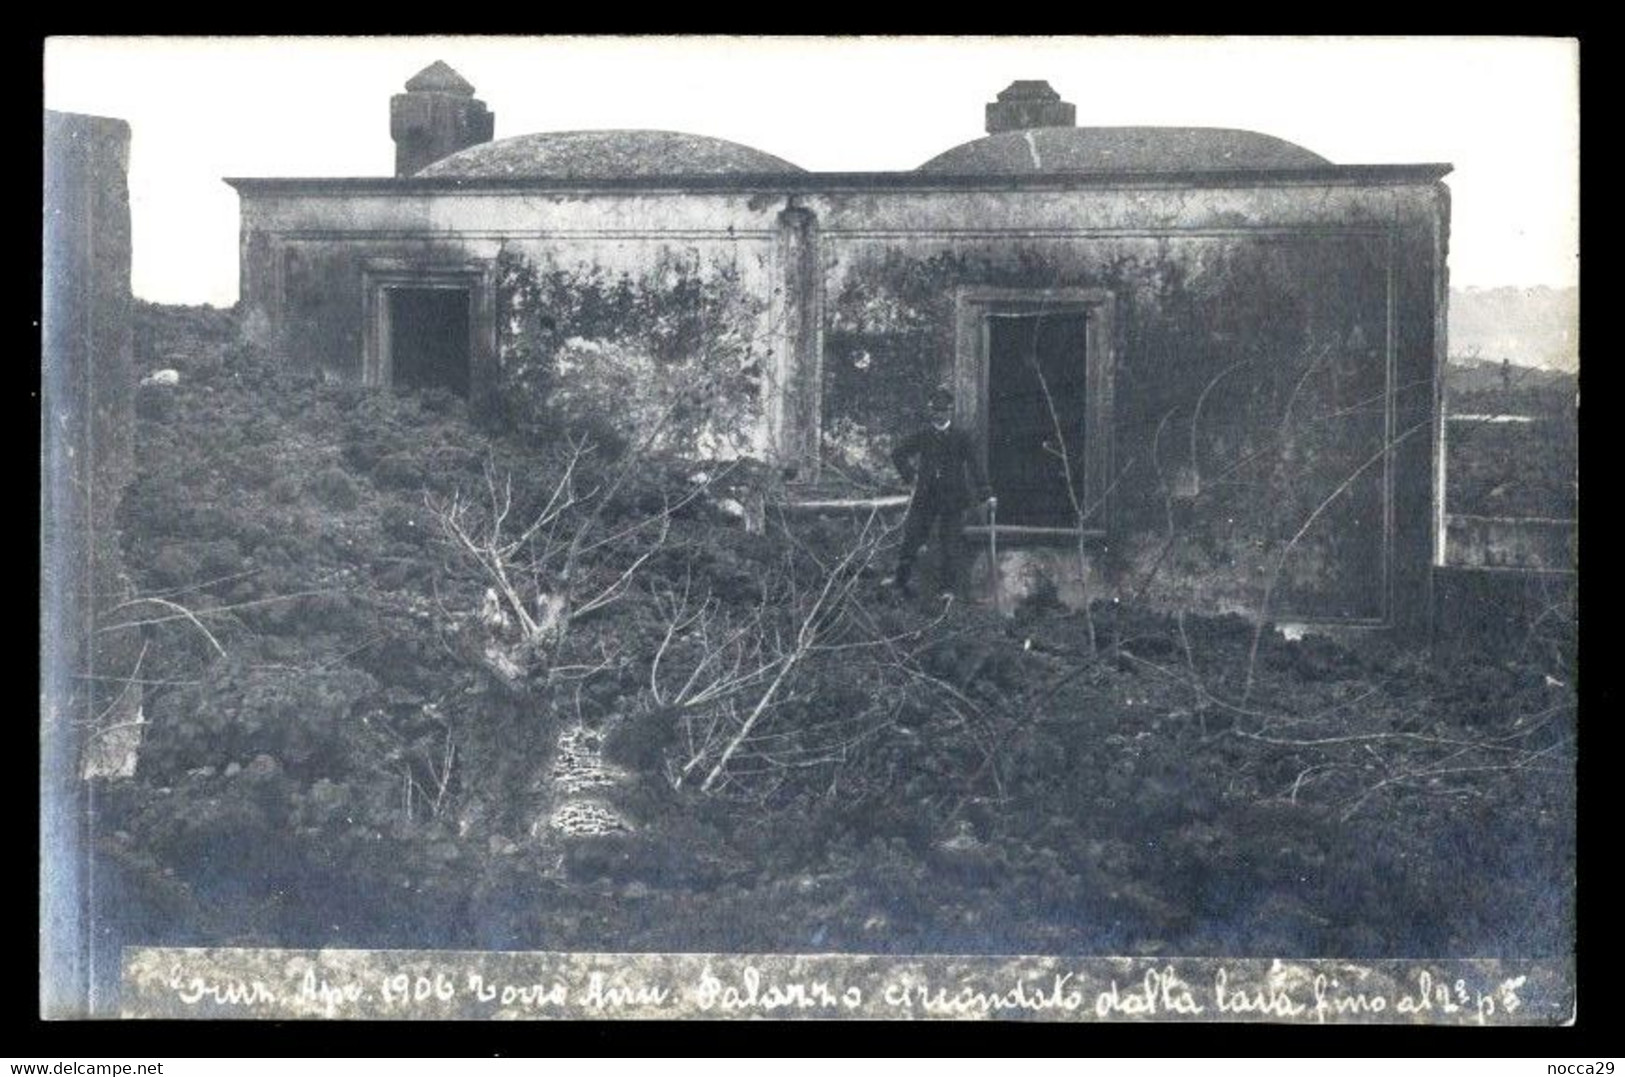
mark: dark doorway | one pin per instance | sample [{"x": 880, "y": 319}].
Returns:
[
  {"x": 428, "y": 338},
  {"x": 1029, "y": 352}
]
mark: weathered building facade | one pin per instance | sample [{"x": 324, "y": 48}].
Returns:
[{"x": 1211, "y": 354}]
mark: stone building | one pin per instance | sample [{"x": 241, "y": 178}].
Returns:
[{"x": 1210, "y": 355}]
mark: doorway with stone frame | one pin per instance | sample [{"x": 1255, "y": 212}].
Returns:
[
  {"x": 428, "y": 325},
  {"x": 1033, "y": 382},
  {"x": 428, "y": 338}
]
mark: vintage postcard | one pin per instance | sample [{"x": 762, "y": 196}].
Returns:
[{"x": 815, "y": 528}]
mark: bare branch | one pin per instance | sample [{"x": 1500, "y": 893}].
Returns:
[
  {"x": 180, "y": 611},
  {"x": 1286, "y": 551}
]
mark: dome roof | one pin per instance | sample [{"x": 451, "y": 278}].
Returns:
[
  {"x": 1122, "y": 149},
  {"x": 600, "y": 155}
]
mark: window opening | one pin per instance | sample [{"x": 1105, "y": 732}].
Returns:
[{"x": 429, "y": 338}]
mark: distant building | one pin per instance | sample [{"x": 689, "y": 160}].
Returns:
[{"x": 1235, "y": 341}]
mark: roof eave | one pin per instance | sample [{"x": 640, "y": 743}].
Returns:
[{"x": 1384, "y": 174}]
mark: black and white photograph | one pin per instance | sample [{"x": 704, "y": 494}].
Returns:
[{"x": 1043, "y": 529}]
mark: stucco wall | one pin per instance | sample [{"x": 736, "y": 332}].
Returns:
[
  {"x": 1273, "y": 353},
  {"x": 1273, "y": 343},
  {"x": 635, "y": 296},
  {"x": 1250, "y": 386}
]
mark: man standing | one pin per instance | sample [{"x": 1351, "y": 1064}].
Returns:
[{"x": 941, "y": 462}]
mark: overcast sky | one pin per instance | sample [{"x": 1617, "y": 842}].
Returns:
[{"x": 1505, "y": 112}]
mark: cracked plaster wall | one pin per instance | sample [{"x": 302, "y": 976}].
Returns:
[{"x": 1274, "y": 344}]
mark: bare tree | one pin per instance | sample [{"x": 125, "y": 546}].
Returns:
[
  {"x": 749, "y": 685},
  {"x": 564, "y": 563}
]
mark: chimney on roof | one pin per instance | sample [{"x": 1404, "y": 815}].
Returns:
[
  {"x": 1029, "y": 103},
  {"x": 436, "y": 116}
]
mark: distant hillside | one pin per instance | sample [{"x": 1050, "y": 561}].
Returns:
[
  {"x": 1477, "y": 389},
  {"x": 1522, "y": 386},
  {"x": 1536, "y": 327}
]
